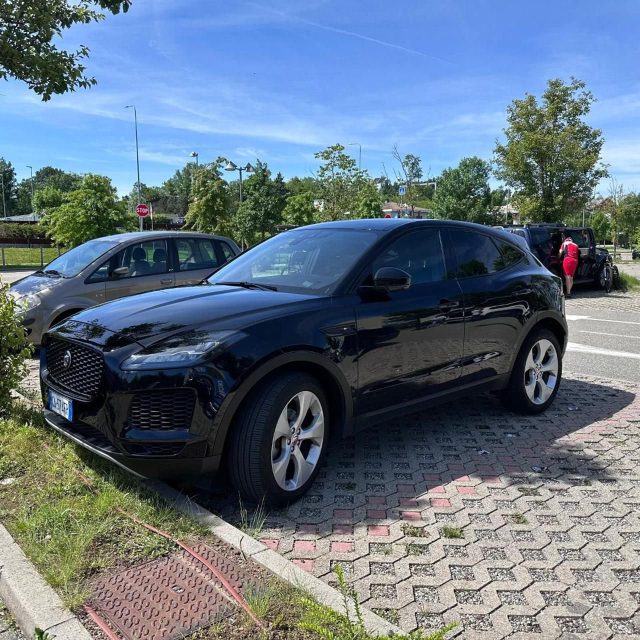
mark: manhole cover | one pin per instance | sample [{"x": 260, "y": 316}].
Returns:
[{"x": 167, "y": 598}]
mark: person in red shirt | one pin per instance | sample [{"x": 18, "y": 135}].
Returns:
[{"x": 569, "y": 254}]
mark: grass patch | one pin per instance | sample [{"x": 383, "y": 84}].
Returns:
[
  {"x": 413, "y": 531},
  {"x": 628, "y": 282},
  {"x": 67, "y": 531},
  {"x": 518, "y": 518},
  {"x": 16, "y": 257},
  {"x": 252, "y": 524},
  {"x": 452, "y": 532}
]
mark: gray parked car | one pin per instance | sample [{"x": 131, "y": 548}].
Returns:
[{"x": 113, "y": 267}]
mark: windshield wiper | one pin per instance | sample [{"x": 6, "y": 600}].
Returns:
[
  {"x": 250, "y": 285},
  {"x": 49, "y": 272}
]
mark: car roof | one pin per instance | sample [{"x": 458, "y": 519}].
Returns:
[
  {"x": 154, "y": 235},
  {"x": 382, "y": 224}
]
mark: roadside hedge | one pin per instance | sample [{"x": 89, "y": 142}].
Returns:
[{"x": 21, "y": 233}]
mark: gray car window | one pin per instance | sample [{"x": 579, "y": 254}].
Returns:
[
  {"x": 142, "y": 259},
  {"x": 196, "y": 253}
]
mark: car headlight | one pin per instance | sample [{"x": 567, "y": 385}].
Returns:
[
  {"x": 179, "y": 351},
  {"x": 26, "y": 303}
]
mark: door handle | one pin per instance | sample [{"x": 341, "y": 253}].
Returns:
[
  {"x": 447, "y": 305},
  {"x": 166, "y": 281}
]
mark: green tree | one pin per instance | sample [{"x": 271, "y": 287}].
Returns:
[
  {"x": 463, "y": 192},
  {"x": 296, "y": 186},
  {"x": 8, "y": 174},
  {"x": 62, "y": 180},
  {"x": 337, "y": 181},
  {"x": 551, "y": 157},
  {"x": 300, "y": 210},
  {"x": 629, "y": 218},
  {"x": 22, "y": 204},
  {"x": 409, "y": 176},
  {"x": 47, "y": 199},
  {"x": 261, "y": 210},
  {"x": 27, "y": 52},
  {"x": 601, "y": 226},
  {"x": 208, "y": 211},
  {"x": 90, "y": 212},
  {"x": 177, "y": 191},
  {"x": 368, "y": 203}
]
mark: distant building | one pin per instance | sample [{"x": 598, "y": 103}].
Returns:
[
  {"x": 28, "y": 217},
  {"x": 397, "y": 210}
]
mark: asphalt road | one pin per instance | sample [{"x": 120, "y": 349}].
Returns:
[{"x": 604, "y": 343}]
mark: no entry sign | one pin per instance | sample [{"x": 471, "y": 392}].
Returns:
[{"x": 142, "y": 210}]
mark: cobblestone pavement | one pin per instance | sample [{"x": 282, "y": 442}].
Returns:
[
  {"x": 594, "y": 299},
  {"x": 548, "y": 510}
]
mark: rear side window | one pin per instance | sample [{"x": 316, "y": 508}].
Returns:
[
  {"x": 510, "y": 254},
  {"x": 196, "y": 253},
  {"x": 476, "y": 254}
]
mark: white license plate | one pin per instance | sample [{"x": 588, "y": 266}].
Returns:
[{"x": 61, "y": 405}]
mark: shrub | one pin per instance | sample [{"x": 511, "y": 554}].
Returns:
[{"x": 14, "y": 349}]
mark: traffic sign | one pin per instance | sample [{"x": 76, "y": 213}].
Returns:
[
  {"x": 142, "y": 210},
  {"x": 402, "y": 190}
]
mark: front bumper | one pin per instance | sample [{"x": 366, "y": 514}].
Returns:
[
  {"x": 143, "y": 467},
  {"x": 114, "y": 422}
]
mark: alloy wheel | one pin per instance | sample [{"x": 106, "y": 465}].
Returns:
[
  {"x": 297, "y": 441},
  {"x": 541, "y": 371}
]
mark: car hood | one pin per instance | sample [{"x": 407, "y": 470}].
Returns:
[
  {"x": 35, "y": 283},
  {"x": 149, "y": 317}
]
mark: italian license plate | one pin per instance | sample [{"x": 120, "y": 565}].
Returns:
[{"x": 61, "y": 405}]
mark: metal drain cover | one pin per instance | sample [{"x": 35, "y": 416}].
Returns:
[{"x": 167, "y": 598}]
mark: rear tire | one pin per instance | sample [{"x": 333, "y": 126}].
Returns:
[
  {"x": 536, "y": 374},
  {"x": 279, "y": 439}
]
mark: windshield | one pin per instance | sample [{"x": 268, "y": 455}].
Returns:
[
  {"x": 72, "y": 262},
  {"x": 301, "y": 260}
]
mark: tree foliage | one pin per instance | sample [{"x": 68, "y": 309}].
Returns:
[
  {"x": 601, "y": 226},
  {"x": 64, "y": 181},
  {"x": 208, "y": 209},
  {"x": 629, "y": 216},
  {"x": 300, "y": 210},
  {"x": 47, "y": 199},
  {"x": 90, "y": 212},
  {"x": 551, "y": 156},
  {"x": 9, "y": 180},
  {"x": 463, "y": 192},
  {"x": 338, "y": 177},
  {"x": 27, "y": 51}
]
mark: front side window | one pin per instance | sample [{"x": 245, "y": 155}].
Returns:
[
  {"x": 510, "y": 255},
  {"x": 476, "y": 254},
  {"x": 418, "y": 253},
  {"x": 301, "y": 260},
  {"x": 141, "y": 259}
]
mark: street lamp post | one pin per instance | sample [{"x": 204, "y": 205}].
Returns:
[
  {"x": 31, "y": 181},
  {"x": 135, "y": 119},
  {"x": 357, "y": 144},
  {"x": 232, "y": 166},
  {"x": 194, "y": 154},
  {"x": 4, "y": 200}
]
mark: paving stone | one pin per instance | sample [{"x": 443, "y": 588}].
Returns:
[{"x": 569, "y": 569}]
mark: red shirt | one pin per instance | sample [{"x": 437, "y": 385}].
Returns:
[{"x": 571, "y": 249}]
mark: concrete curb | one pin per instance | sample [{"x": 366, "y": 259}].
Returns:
[
  {"x": 269, "y": 559},
  {"x": 31, "y": 601}
]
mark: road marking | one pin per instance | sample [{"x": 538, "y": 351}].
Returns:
[
  {"x": 615, "y": 335},
  {"x": 583, "y": 348},
  {"x": 601, "y": 320}
]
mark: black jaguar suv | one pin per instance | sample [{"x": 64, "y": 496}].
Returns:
[{"x": 317, "y": 332}]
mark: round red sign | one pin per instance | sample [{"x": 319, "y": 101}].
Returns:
[{"x": 142, "y": 210}]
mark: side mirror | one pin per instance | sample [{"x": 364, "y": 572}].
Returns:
[
  {"x": 391, "y": 279},
  {"x": 120, "y": 272}
]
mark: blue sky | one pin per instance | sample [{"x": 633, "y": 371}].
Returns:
[{"x": 279, "y": 80}]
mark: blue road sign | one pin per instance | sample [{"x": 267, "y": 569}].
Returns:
[{"x": 402, "y": 190}]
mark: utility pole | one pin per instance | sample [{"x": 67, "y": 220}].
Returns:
[
  {"x": 31, "y": 168},
  {"x": 135, "y": 119}
]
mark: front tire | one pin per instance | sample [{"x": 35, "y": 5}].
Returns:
[
  {"x": 280, "y": 439},
  {"x": 536, "y": 374}
]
